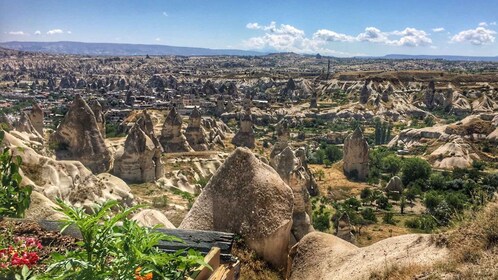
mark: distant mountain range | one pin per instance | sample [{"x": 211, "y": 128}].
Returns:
[
  {"x": 433, "y": 57},
  {"x": 115, "y": 49}
]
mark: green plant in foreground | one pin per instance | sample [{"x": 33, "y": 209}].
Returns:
[
  {"x": 14, "y": 198},
  {"x": 114, "y": 247}
]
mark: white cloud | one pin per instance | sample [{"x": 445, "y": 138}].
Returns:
[
  {"x": 438, "y": 29},
  {"x": 20, "y": 33},
  {"x": 478, "y": 36},
  {"x": 37, "y": 32},
  {"x": 483, "y": 24},
  {"x": 411, "y": 37},
  {"x": 158, "y": 39},
  {"x": 69, "y": 32},
  {"x": 286, "y": 37},
  {"x": 332, "y": 36},
  {"x": 165, "y": 14},
  {"x": 492, "y": 23},
  {"x": 373, "y": 34},
  {"x": 253, "y": 25},
  {"x": 55, "y": 31}
]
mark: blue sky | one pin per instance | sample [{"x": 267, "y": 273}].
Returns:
[{"x": 341, "y": 28}]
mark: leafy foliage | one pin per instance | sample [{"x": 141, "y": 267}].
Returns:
[
  {"x": 14, "y": 198},
  {"x": 110, "y": 251}
]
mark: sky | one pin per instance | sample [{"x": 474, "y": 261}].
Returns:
[{"x": 339, "y": 28}]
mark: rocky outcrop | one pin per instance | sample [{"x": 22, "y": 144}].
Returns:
[
  {"x": 245, "y": 135},
  {"x": 140, "y": 159},
  {"x": 5, "y": 122},
  {"x": 36, "y": 118},
  {"x": 99, "y": 115},
  {"x": 23, "y": 124},
  {"x": 195, "y": 133},
  {"x": 356, "y": 156},
  {"x": 323, "y": 256},
  {"x": 291, "y": 170},
  {"x": 172, "y": 138},
  {"x": 365, "y": 93},
  {"x": 429, "y": 95},
  {"x": 78, "y": 138},
  {"x": 249, "y": 198},
  {"x": 68, "y": 180}
]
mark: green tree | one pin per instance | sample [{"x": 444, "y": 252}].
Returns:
[
  {"x": 366, "y": 195},
  {"x": 392, "y": 164},
  {"x": 415, "y": 169}
]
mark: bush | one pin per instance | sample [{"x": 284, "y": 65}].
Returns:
[
  {"x": 352, "y": 203},
  {"x": 426, "y": 223},
  {"x": 388, "y": 218},
  {"x": 369, "y": 215},
  {"x": 383, "y": 203},
  {"x": 14, "y": 198},
  {"x": 415, "y": 169},
  {"x": 432, "y": 200}
]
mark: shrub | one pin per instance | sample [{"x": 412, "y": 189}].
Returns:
[
  {"x": 388, "y": 218},
  {"x": 369, "y": 215},
  {"x": 14, "y": 198},
  {"x": 391, "y": 164},
  {"x": 383, "y": 203}
]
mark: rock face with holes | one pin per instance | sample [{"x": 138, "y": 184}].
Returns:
[
  {"x": 356, "y": 156},
  {"x": 172, "y": 138},
  {"x": 78, "y": 138},
  {"x": 140, "y": 159},
  {"x": 36, "y": 118},
  {"x": 245, "y": 135},
  {"x": 247, "y": 197},
  {"x": 195, "y": 133}
]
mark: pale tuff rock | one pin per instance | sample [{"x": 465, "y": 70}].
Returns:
[
  {"x": 394, "y": 185},
  {"x": 323, "y": 256},
  {"x": 69, "y": 180},
  {"x": 23, "y": 124},
  {"x": 247, "y": 197},
  {"x": 283, "y": 134},
  {"x": 99, "y": 115},
  {"x": 195, "y": 133},
  {"x": 78, "y": 138},
  {"x": 292, "y": 171},
  {"x": 36, "y": 118},
  {"x": 172, "y": 138},
  {"x": 245, "y": 135},
  {"x": 152, "y": 218},
  {"x": 140, "y": 159},
  {"x": 453, "y": 154},
  {"x": 356, "y": 156}
]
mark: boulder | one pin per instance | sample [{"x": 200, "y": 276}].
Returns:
[
  {"x": 245, "y": 135},
  {"x": 152, "y": 218},
  {"x": 344, "y": 229},
  {"x": 247, "y": 197},
  {"x": 78, "y": 138},
  {"x": 172, "y": 138},
  {"x": 356, "y": 156},
  {"x": 395, "y": 185}
]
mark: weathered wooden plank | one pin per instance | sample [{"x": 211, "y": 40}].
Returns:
[{"x": 199, "y": 240}]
